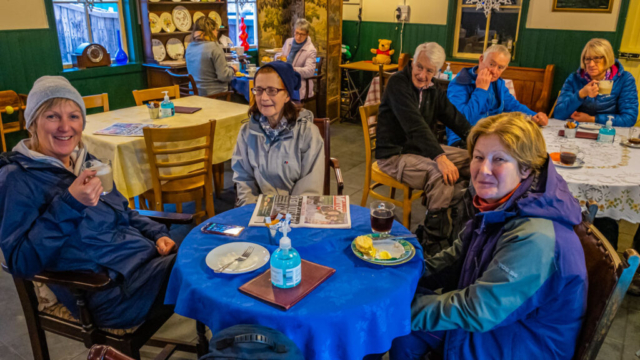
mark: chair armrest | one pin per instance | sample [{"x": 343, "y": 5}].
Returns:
[
  {"x": 166, "y": 217},
  {"x": 335, "y": 164},
  {"x": 71, "y": 279}
]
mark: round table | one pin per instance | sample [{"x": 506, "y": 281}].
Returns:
[
  {"x": 357, "y": 311},
  {"x": 610, "y": 176}
]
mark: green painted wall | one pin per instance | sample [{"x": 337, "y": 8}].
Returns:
[
  {"x": 26, "y": 55},
  {"x": 536, "y": 47}
]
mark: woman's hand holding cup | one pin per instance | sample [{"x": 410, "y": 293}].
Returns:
[
  {"x": 86, "y": 188},
  {"x": 590, "y": 90}
]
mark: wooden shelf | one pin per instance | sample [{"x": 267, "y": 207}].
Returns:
[
  {"x": 185, "y": 3},
  {"x": 171, "y": 33}
]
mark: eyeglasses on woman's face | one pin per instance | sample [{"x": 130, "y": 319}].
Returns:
[
  {"x": 595, "y": 59},
  {"x": 271, "y": 91}
]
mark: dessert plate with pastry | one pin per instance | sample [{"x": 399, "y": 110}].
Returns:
[{"x": 383, "y": 249}]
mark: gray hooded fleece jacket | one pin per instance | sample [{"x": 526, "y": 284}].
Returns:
[{"x": 292, "y": 164}]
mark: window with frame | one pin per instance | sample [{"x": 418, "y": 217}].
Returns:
[
  {"x": 250, "y": 14},
  {"x": 93, "y": 21},
  {"x": 476, "y": 31}
]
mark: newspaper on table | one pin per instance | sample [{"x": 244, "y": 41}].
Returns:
[
  {"x": 327, "y": 212},
  {"x": 126, "y": 129}
]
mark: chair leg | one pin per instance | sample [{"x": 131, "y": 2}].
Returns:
[
  {"x": 179, "y": 208},
  {"x": 132, "y": 203},
  {"x": 203, "y": 344},
  {"x": 218, "y": 178},
  {"x": 36, "y": 333},
  {"x": 406, "y": 209},
  {"x": 392, "y": 192}
]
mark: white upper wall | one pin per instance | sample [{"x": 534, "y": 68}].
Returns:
[
  {"x": 541, "y": 17},
  {"x": 23, "y": 14},
  {"x": 422, "y": 11}
]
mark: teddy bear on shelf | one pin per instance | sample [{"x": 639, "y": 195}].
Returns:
[{"x": 383, "y": 52}]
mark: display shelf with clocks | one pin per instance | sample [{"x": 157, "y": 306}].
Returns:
[{"x": 166, "y": 33}]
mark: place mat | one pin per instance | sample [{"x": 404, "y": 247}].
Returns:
[
  {"x": 186, "y": 109},
  {"x": 582, "y": 135},
  {"x": 261, "y": 288}
]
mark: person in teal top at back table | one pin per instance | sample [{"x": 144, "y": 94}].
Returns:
[
  {"x": 581, "y": 97},
  {"x": 479, "y": 92}
]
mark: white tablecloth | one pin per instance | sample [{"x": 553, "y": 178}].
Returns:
[
  {"x": 611, "y": 175},
  {"x": 128, "y": 156}
]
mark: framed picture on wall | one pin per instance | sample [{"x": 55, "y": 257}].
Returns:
[{"x": 603, "y": 6}]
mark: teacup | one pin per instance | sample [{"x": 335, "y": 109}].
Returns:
[{"x": 604, "y": 87}]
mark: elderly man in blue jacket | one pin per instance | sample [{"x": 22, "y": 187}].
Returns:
[{"x": 479, "y": 92}]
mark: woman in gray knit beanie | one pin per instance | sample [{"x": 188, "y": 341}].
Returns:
[{"x": 54, "y": 218}]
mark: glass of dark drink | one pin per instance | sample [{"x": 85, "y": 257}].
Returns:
[
  {"x": 381, "y": 216},
  {"x": 569, "y": 154}
]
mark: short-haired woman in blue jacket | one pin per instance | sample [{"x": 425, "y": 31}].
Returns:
[
  {"x": 579, "y": 98},
  {"x": 53, "y": 216},
  {"x": 515, "y": 282}
]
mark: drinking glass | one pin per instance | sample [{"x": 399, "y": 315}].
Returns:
[
  {"x": 103, "y": 172},
  {"x": 634, "y": 133},
  {"x": 381, "y": 217},
  {"x": 569, "y": 153}
]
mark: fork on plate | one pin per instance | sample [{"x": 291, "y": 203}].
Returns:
[{"x": 245, "y": 255}]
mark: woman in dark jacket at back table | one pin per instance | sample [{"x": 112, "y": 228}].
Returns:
[{"x": 53, "y": 216}]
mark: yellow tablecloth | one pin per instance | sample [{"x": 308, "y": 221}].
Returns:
[{"x": 128, "y": 154}]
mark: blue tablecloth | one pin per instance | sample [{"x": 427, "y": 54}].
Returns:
[
  {"x": 357, "y": 311},
  {"x": 241, "y": 86}
]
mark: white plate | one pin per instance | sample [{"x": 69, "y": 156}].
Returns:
[
  {"x": 216, "y": 17},
  {"x": 175, "y": 49},
  {"x": 226, "y": 253},
  {"x": 576, "y": 165},
  {"x": 181, "y": 18},
  {"x": 187, "y": 41},
  {"x": 197, "y": 15},
  {"x": 590, "y": 126},
  {"x": 167, "y": 22},
  {"x": 159, "y": 52},
  {"x": 626, "y": 143},
  {"x": 154, "y": 23}
]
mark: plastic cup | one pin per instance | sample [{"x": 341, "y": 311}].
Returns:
[{"x": 103, "y": 172}]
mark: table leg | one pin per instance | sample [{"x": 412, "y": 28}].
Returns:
[{"x": 202, "y": 347}]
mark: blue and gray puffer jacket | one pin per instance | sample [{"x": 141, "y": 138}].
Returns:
[
  {"x": 521, "y": 289},
  {"x": 622, "y": 103},
  {"x": 43, "y": 227}
]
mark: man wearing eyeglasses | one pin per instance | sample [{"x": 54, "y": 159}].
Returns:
[
  {"x": 479, "y": 92},
  {"x": 407, "y": 148}
]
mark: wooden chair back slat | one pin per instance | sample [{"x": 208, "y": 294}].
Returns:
[
  {"x": 185, "y": 82},
  {"x": 179, "y": 150},
  {"x": 190, "y": 175},
  {"x": 141, "y": 96},
  {"x": 96, "y": 101},
  {"x": 162, "y": 164}
]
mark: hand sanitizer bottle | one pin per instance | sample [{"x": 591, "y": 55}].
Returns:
[
  {"x": 166, "y": 107},
  {"x": 607, "y": 134},
  {"x": 285, "y": 264},
  {"x": 448, "y": 72}
]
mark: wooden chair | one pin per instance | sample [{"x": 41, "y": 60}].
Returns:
[
  {"x": 96, "y": 101},
  {"x": 226, "y": 96},
  {"x": 252, "y": 98},
  {"x": 403, "y": 60},
  {"x": 323, "y": 126},
  {"x": 554, "y": 105},
  {"x": 185, "y": 82},
  {"x": 317, "y": 79},
  {"x": 609, "y": 278},
  {"x": 11, "y": 98},
  {"x": 79, "y": 284},
  {"x": 155, "y": 94},
  {"x": 168, "y": 157},
  {"x": 373, "y": 172}
]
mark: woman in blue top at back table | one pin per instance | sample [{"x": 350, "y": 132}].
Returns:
[{"x": 580, "y": 99}]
